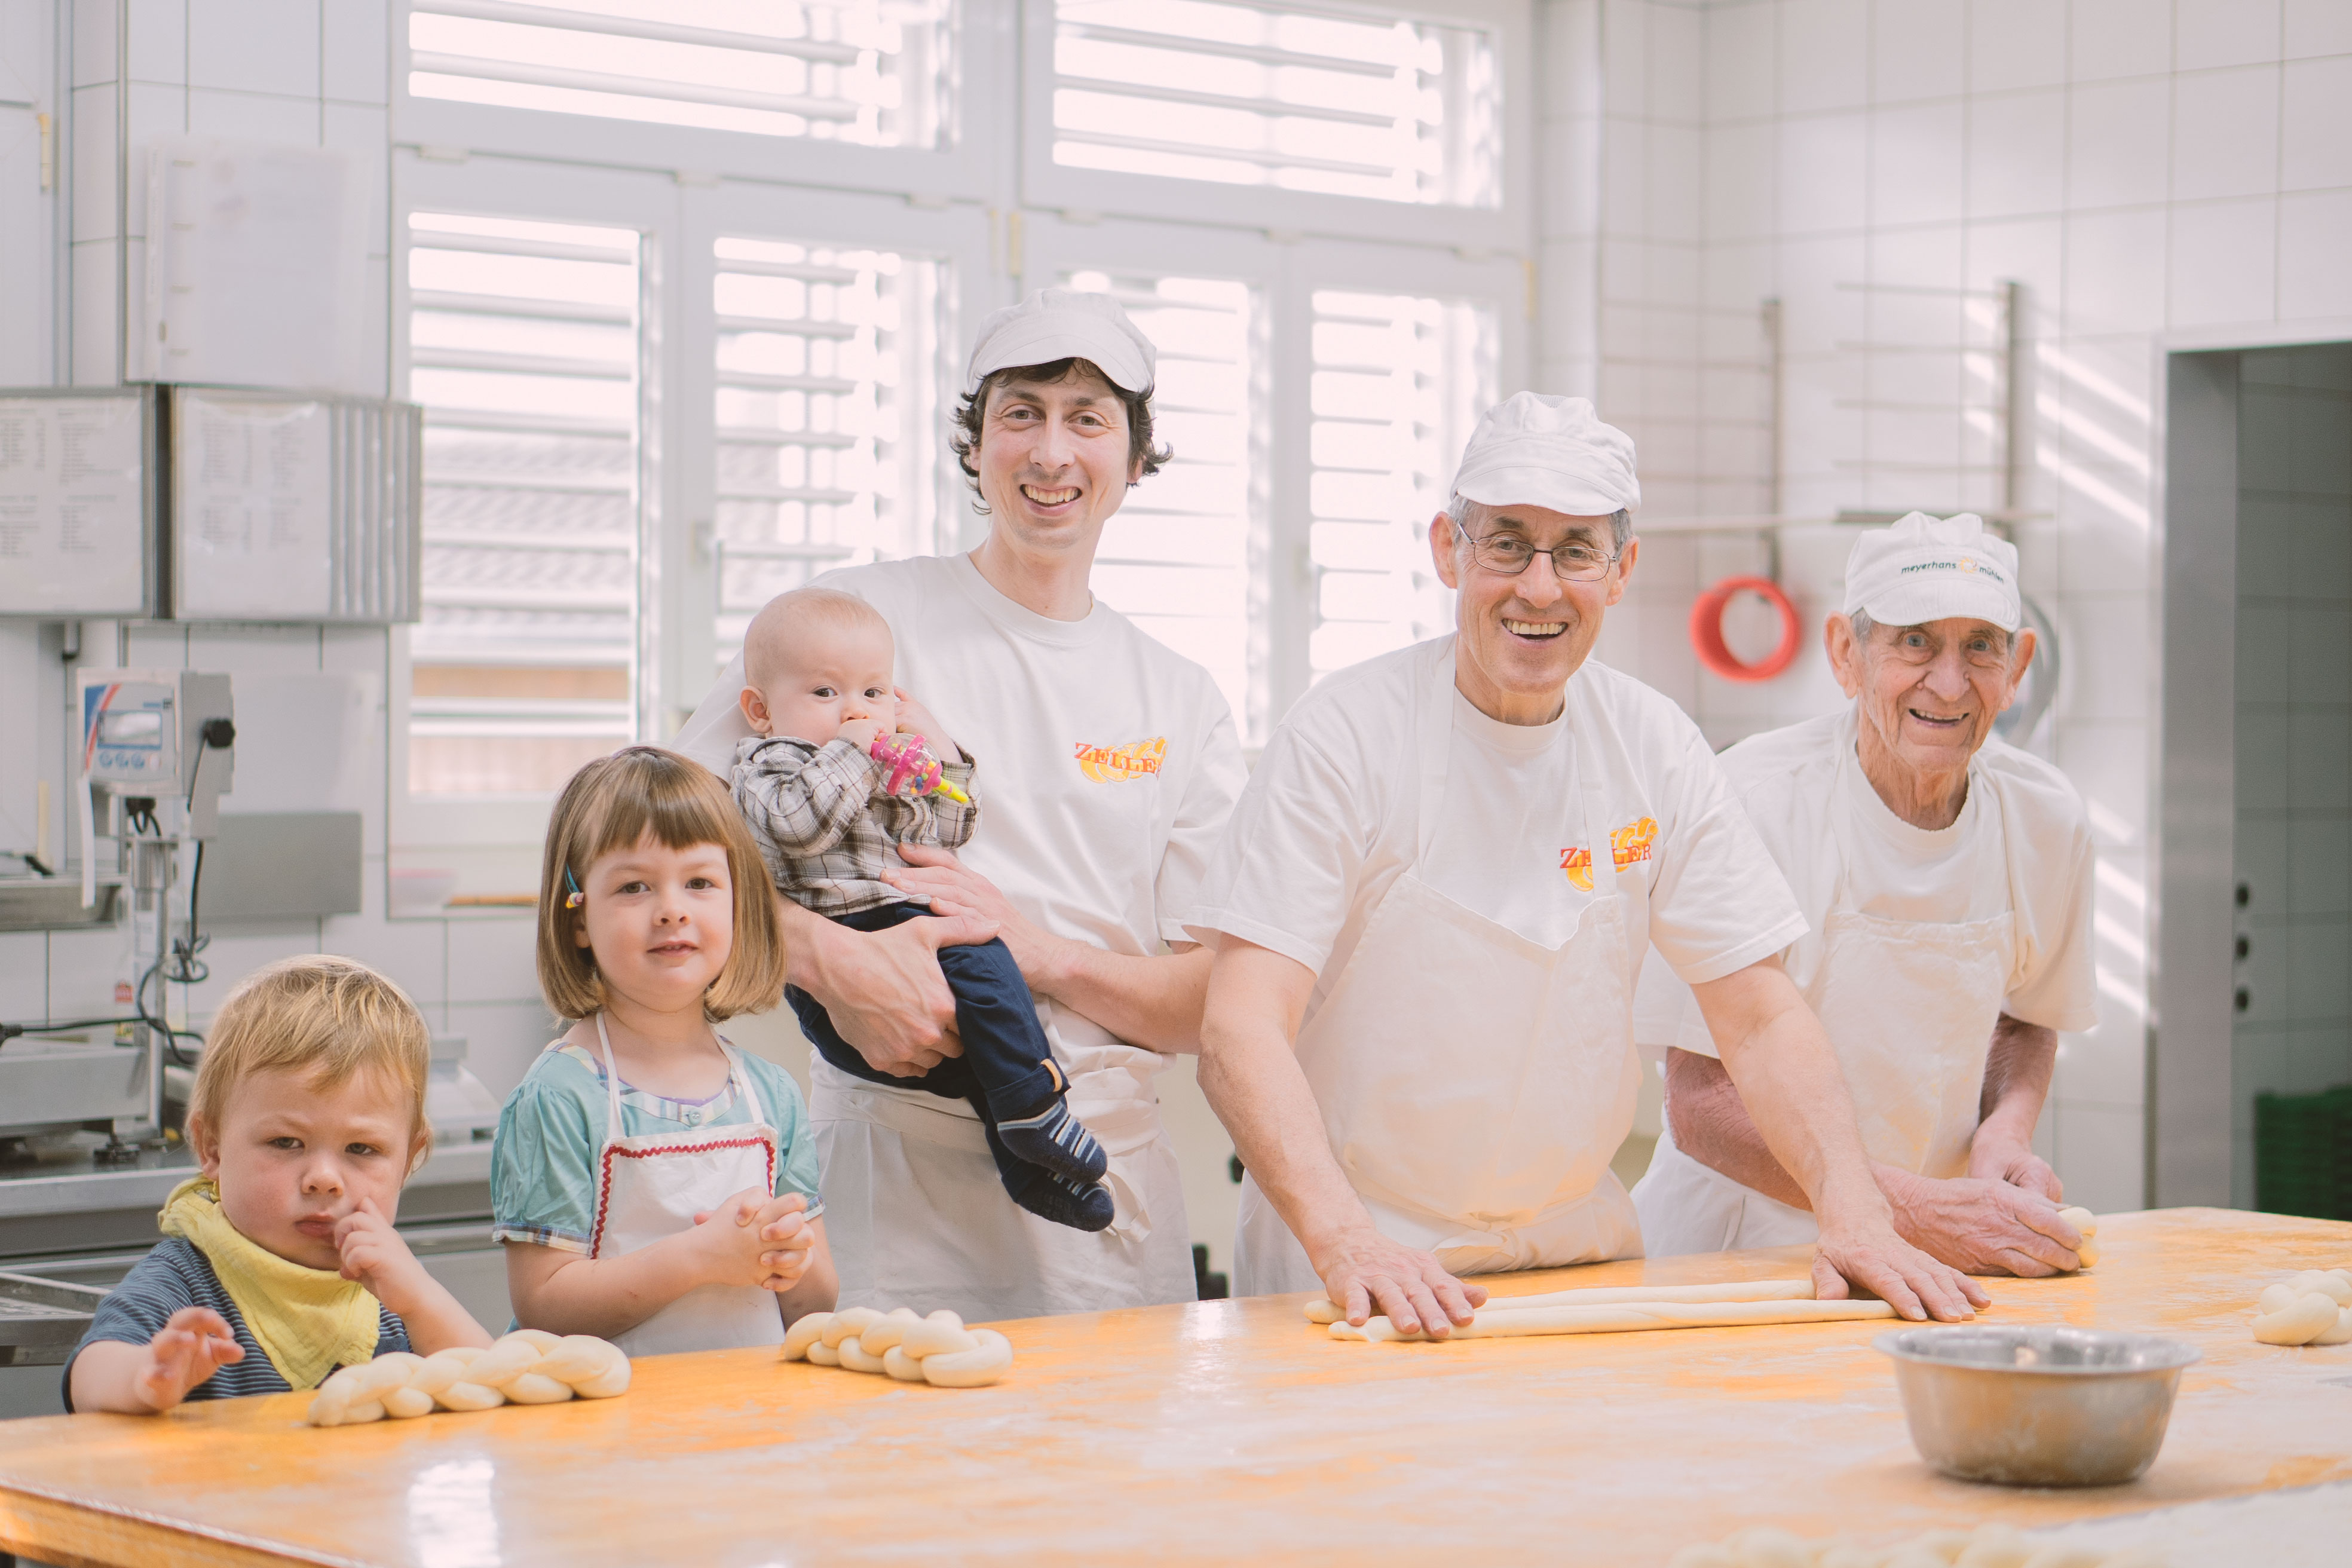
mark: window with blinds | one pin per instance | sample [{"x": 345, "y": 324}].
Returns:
[
  {"x": 870, "y": 72},
  {"x": 1183, "y": 555},
  {"x": 1287, "y": 97},
  {"x": 828, "y": 416},
  {"x": 1398, "y": 383},
  {"x": 524, "y": 350}
]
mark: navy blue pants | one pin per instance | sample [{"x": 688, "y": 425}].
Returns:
[{"x": 1002, "y": 1073}]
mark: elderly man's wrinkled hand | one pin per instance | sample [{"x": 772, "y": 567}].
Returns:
[
  {"x": 1860, "y": 1250},
  {"x": 1366, "y": 1273},
  {"x": 1984, "y": 1226},
  {"x": 2019, "y": 1167}
]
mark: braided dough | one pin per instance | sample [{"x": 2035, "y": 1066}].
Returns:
[
  {"x": 1604, "y": 1295},
  {"x": 2314, "y": 1308},
  {"x": 530, "y": 1366},
  {"x": 1987, "y": 1546},
  {"x": 1627, "y": 1316},
  {"x": 2087, "y": 1223},
  {"x": 938, "y": 1350}
]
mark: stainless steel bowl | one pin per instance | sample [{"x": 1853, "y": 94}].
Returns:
[{"x": 2037, "y": 1406}]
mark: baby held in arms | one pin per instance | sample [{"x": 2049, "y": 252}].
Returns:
[{"x": 825, "y": 784}]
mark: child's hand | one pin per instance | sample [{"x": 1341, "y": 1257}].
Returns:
[
  {"x": 913, "y": 716},
  {"x": 754, "y": 1238},
  {"x": 859, "y": 732},
  {"x": 374, "y": 1255},
  {"x": 194, "y": 1345}
]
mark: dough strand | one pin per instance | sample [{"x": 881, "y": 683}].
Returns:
[
  {"x": 1627, "y": 1316},
  {"x": 1604, "y": 1295},
  {"x": 530, "y": 1366},
  {"x": 938, "y": 1350}
]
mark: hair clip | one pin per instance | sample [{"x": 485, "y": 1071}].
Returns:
[{"x": 575, "y": 898}]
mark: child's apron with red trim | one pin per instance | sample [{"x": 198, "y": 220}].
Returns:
[{"x": 652, "y": 1186}]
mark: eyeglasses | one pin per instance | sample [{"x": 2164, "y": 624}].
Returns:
[{"x": 1508, "y": 555}]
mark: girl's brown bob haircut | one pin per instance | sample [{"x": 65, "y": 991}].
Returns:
[
  {"x": 322, "y": 1016},
  {"x": 611, "y": 804}
]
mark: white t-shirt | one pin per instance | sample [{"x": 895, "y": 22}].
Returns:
[
  {"x": 1805, "y": 791},
  {"x": 1330, "y": 821},
  {"x": 1107, "y": 763}
]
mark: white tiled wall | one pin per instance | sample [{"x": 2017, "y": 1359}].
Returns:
[
  {"x": 2294, "y": 1033},
  {"x": 2145, "y": 167},
  {"x": 315, "y": 73}
]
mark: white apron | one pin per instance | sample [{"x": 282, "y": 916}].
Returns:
[
  {"x": 913, "y": 1195},
  {"x": 1473, "y": 1083},
  {"x": 651, "y": 1187},
  {"x": 1909, "y": 1007}
]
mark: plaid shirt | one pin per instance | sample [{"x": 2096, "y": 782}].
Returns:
[{"x": 826, "y": 829}]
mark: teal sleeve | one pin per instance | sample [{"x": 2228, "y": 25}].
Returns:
[
  {"x": 797, "y": 1171},
  {"x": 543, "y": 1164}
]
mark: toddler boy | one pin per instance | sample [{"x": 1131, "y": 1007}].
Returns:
[
  {"x": 818, "y": 663},
  {"x": 279, "y": 1263}
]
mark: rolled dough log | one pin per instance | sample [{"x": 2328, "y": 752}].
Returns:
[
  {"x": 2341, "y": 1334},
  {"x": 1604, "y": 1295},
  {"x": 856, "y": 1357},
  {"x": 1630, "y": 1317}
]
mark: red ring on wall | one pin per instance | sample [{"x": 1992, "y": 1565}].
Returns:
[{"x": 1706, "y": 630}]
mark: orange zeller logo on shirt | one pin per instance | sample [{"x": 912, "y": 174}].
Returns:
[
  {"x": 1630, "y": 845},
  {"x": 1117, "y": 764}
]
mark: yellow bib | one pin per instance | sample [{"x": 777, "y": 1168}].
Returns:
[{"x": 307, "y": 1320}]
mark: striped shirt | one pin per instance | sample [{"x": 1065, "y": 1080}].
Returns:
[
  {"x": 176, "y": 1274},
  {"x": 828, "y": 829}
]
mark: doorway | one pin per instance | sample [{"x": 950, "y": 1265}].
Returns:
[{"x": 2254, "y": 987}]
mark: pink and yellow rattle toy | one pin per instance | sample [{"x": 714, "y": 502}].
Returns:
[{"x": 913, "y": 769}]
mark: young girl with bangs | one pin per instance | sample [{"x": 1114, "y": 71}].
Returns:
[{"x": 653, "y": 1184}]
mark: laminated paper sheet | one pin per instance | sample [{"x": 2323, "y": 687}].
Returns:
[{"x": 73, "y": 530}]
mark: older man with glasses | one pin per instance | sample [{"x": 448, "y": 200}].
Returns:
[
  {"x": 1429, "y": 908},
  {"x": 1945, "y": 877}
]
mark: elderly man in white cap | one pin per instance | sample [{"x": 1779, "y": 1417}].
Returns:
[
  {"x": 1945, "y": 880},
  {"x": 1109, "y": 766},
  {"x": 1432, "y": 901}
]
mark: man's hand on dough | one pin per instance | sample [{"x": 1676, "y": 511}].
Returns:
[
  {"x": 1997, "y": 1159},
  {"x": 1859, "y": 1248},
  {"x": 885, "y": 994},
  {"x": 1367, "y": 1273},
  {"x": 1982, "y": 1227}
]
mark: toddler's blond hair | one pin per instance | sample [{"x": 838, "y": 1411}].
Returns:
[{"x": 322, "y": 1015}]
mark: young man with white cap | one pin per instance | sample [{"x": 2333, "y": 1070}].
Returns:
[
  {"x": 1432, "y": 901},
  {"x": 1114, "y": 764},
  {"x": 1945, "y": 880}
]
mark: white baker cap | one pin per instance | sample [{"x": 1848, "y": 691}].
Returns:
[
  {"x": 1931, "y": 569},
  {"x": 1531, "y": 449},
  {"x": 1064, "y": 323}
]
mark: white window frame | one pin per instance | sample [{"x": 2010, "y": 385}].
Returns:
[
  {"x": 1509, "y": 226},
  {"x": 980, "y": 42},
  {"x": 1287, "y": 276},
  {"x": 562, "y": 193},
  {"x": 956, "y": 236}
]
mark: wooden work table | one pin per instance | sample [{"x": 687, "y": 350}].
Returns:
[{"x": 1224, "y": 1430}]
